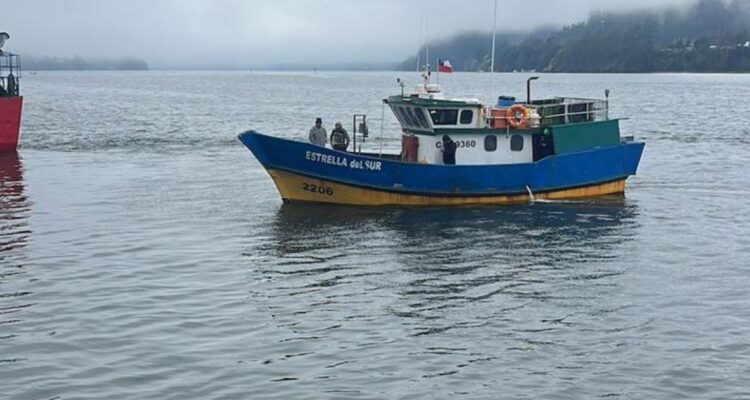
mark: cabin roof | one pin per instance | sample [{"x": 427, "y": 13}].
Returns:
[{"x": 424, "y": 102}]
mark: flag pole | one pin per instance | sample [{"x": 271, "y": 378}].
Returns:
[{"x": 438, "y": 71}]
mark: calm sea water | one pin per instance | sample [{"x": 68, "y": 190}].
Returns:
[{"x": 144, "y": 253}]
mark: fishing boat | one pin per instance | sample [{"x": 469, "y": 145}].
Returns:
[
  {"x": 11, "y": 101},
  {"x": 462, "y": 152}
]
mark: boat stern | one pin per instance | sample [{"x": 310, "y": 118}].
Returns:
[{"x": 10, "y": 122}]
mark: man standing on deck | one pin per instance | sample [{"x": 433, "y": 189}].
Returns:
[
  {"x": 339, "y": 138},
  {"x": 449, "y": 151},
  {"x": 318, "y": 134}
]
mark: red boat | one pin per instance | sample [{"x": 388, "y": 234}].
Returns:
[{"x": 11, "y": 101}]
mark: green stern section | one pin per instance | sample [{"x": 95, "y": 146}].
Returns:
[{"x": 574, "y": 138}]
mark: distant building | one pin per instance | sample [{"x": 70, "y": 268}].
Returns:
[{"x": 747, "y": 44}]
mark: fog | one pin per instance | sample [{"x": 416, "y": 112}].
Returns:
[{"x": 237, "y": 33}]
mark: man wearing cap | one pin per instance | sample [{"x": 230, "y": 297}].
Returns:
[
  {"x": 339, "y": 138},
  {"x": 318, "y": 134}
]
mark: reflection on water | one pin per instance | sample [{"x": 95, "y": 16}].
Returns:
[
  {"x": 14, "y": 208},
  {"x": 141, "y": 203},
  {"x": 442, "y": 258},
  {"x": 445, "y": 232},
  {"x": 14, "y": 235},
  {"x": 427, "y": 293}
]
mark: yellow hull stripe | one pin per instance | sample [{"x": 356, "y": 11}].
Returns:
[{"x": 294, "y": 187}]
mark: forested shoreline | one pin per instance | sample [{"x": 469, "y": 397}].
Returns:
[
  {"x": 710, "y": 36},
  {"x": 32, "y": 63}
]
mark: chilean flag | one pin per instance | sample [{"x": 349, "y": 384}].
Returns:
[{"x": 445, "y": 66}]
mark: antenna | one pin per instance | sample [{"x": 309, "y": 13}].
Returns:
[{"x": 606, "y": 96}]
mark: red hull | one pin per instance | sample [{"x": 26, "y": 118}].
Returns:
[{"x": 10, "y": 122}]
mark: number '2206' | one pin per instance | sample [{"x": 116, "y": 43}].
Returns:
[{"x": 313, "y": 188}]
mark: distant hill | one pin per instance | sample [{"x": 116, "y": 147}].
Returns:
[
  {"x": 710, "y": 36},
  {"x": 31, "y": 63}
]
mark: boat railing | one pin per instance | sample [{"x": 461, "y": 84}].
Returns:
[
  {"x": 557, "y": 111},
  {"x": 10, "y": 74},
  {"x": 569, "y": 110}
]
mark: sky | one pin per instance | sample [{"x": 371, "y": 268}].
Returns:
[{"x": 244, "y": 33}]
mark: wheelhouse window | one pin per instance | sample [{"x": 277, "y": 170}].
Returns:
[
  {"x": 444, "y": 117},
  {"x": 411, "y": 117},
  {"x": 516, "y": 143},
  {"x": 490, "y": 143},
  {"x": 399, "y": 113},
  {"x": 408, "y": 118},
  {"x": 422, "y": 119},
  {"x": 467, "y": 116},
  {"x": 414, "y": 117}
]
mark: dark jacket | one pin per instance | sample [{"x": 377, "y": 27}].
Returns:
[
  {"x": 449, "y": 152},
  {"x": 339, "y": 139}
]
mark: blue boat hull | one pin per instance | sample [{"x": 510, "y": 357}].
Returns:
[{"x": 305, "y": 172}]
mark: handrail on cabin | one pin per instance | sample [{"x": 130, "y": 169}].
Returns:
[{"x": 596, "y": 110}]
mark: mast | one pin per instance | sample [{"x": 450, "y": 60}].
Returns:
[
  {"x": 494, "y": 34},
  {"x": 419, "y": 45},
  {"x": 427, "y": 40}
]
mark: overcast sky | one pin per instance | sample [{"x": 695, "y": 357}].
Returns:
[{"x": 264, "y": 32}]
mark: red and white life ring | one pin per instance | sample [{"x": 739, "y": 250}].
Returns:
[{"x": 519, "y": 117}]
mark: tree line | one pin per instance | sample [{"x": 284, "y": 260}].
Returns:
[
  {"x": 31, "y": 63},
  {"x": 710, "y": 36}
]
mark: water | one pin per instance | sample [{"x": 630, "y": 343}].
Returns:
[{"x": 145, "y": 254}]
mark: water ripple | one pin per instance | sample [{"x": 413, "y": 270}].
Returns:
[{"x": 145, "y": 254}]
